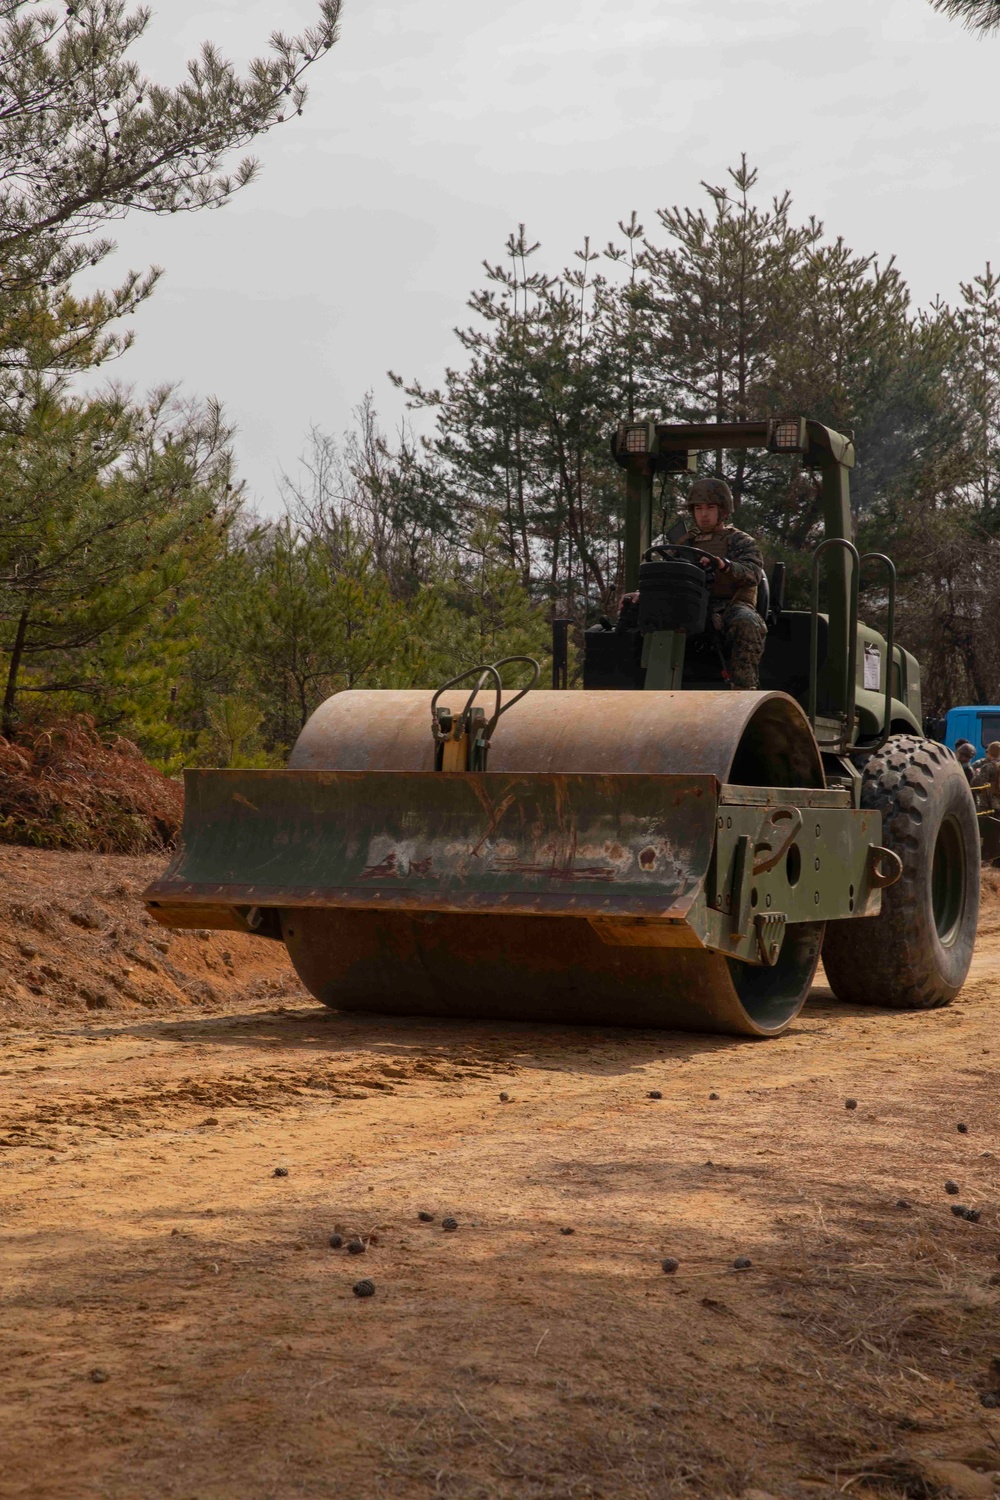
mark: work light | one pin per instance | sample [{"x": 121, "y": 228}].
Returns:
[
  {"x": 787, "y": 435},
  {"x": 633, "y": 437}
]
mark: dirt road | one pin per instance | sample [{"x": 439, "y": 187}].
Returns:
[{"x": 175, "y": 1322}]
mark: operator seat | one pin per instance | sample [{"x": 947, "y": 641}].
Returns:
[{"x": 763, "y": 603}]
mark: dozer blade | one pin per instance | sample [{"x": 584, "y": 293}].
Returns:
[{"x": 584, "y": 845}]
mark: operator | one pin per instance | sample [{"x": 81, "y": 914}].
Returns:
[{"x": 739, "y": 569}]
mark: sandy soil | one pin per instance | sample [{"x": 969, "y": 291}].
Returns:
[{"x": 175, "y": 1322}]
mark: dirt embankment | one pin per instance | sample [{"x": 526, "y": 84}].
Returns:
[
  {"x": 176, "y": 1155},
  {"x": 74, "y": 937}
]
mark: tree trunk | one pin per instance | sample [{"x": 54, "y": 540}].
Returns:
[{"x": 10, "y": 696}]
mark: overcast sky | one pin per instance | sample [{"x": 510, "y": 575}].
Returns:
[{"x": 433, "y": 128}]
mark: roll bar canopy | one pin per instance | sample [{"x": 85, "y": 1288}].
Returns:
[{"x": 669, "y": 447}]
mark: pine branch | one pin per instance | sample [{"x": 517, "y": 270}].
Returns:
[{"x": 976, "y": 15}]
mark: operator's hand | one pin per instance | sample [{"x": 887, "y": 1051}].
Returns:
[{"x": 721, "y": 564}]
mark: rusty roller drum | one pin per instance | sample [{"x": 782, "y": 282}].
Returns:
[{"x": 553, "y": 967}]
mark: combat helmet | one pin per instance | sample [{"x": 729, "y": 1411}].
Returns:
[{"x": 711, "y": 492}]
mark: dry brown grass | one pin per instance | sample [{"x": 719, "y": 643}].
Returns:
[{"x": 65, "y": 788}]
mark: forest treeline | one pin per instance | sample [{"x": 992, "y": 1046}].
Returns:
[{"x": 139, "y": 585}]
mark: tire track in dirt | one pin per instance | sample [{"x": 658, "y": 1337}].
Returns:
[{"x": 505, "y": 1360}]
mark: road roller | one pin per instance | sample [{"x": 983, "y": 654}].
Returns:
[{"x": 655, "y": 849}]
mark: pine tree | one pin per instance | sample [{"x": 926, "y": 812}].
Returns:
[
  {"x": 521, "y": 439},
  {"x": 722, "y": 297},
  {"x": 86, "y": 138},
  {"x": 978, "y": 378},
  {"x": 722, "y": 302},
  {"x": 106, "y": 509}
]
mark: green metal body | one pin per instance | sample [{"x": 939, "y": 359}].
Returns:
[
  {"x": 663, "y": 658},
  {"x": 846, "y": 711}
]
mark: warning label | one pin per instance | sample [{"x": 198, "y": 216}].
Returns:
[{"x": 873, "y": 666}]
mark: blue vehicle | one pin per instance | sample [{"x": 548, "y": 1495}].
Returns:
[{"x": 979, "y": 724}]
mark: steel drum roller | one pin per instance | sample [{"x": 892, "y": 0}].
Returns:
[{"x": 553, "y": 967}]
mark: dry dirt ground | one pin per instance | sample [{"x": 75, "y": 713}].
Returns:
[{"x": 175, "y": 1323}]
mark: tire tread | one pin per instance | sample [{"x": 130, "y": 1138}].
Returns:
[{"x": 890, "y": 960}]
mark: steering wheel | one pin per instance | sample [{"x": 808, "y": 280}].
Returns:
[{"x": 687, "y": 554}]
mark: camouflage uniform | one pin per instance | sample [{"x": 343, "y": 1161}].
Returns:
[
  {"x": 734, "y": 593},
  {"x": 989, "y": 776}
]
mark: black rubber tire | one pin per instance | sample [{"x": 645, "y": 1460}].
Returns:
[{"x": 916, "y": 953}]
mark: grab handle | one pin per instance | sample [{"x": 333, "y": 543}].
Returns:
[
  {"x": 851, "y": 662},
  {"x": 890, "y": 640}
]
